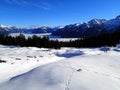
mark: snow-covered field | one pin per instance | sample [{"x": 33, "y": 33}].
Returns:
[{"x": 30, "y": 68}]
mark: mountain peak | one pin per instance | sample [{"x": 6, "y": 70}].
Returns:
[
  {"x": 118, "y": 17},
  {"x": 97, "y": 21},
  {"x": 3, "y": 26}
]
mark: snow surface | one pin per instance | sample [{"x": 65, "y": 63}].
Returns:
[
  {"x": 20, "y": 60},
  {"x": 75, "y": 69}
]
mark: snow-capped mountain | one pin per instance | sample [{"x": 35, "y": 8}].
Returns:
[
  {"x": 3, "y": 26},
  {"x": 112, "y": 24},
  {"x": 86, "y": 29},
  {"x": 91, "y": 28},
  {"x": 4, "y": 29},
  {"x": 31, "y": 30}
]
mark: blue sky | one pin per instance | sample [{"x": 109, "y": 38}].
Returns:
[{"x": 55, "y": 12}]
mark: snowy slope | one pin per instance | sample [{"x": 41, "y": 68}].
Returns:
[
  {"x": 93, "y": 69},
  {"x": 20, "y": 60}
]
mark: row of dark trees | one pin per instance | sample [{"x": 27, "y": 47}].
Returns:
[
  {"x": 108, "y": 39},
  {"x": 33, "y": 41},
  {"x": 96, "y": 41}
]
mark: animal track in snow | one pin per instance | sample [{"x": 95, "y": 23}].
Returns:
[{"x": 67, "y": 85}]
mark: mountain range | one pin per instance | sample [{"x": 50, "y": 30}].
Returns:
[
  {"x": 91, "y": 28},
  {"x": 86, "y": 29}
]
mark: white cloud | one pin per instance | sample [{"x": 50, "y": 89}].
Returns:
[
  {"x": 44, "y": 5},
  {"x": 13, "y": 2},
  {"x": 26, "y": 3}
]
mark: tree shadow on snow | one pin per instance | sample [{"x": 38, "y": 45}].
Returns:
[
  {"x": 117, "y": 50},
  {"x": 69, "y": 55},
  {"x": 104, "y": 49}
]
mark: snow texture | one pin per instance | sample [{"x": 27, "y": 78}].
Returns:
[{"x": 77, "y": 69}]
